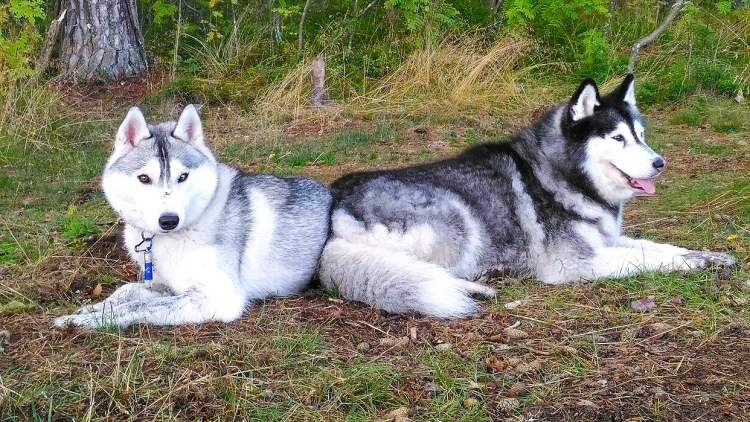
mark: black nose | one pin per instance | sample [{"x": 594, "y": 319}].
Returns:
[
  {"x": 169, "y": 221},
  {"x": 659, "y": 163}
]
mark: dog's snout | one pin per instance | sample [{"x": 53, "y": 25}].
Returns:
[
  {"x": 659, "y": 163},
  {"x": 169, "y": 221}
]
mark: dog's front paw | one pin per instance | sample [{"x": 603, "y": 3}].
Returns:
[
  {"x": 718, "y": 259},
  {"x": 688, "y": 262},
  {"x": 85, "y": 319}
]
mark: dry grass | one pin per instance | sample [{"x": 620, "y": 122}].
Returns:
[
  {"x": 435, "y": 83},
  {"x": 582, "y": 352}
]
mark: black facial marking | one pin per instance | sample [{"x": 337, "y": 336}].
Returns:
[{"x": 162, "y": 147}]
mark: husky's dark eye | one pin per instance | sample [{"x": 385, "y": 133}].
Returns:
[
  {"x": 144, "y": 179},
  {"x": 619, "y": 138},
  {"x": 182, "y": 178}
]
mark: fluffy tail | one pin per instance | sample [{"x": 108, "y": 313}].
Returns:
[{"x": 395, "y": 282}]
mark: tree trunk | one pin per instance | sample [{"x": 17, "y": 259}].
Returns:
[
  {"x": 102, "y": 41},
  {"x": 318, "y": 95}
]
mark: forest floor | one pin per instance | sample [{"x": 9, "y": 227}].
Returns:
[{"x": 671, "y": 347}]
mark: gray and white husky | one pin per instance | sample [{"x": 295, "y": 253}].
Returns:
[
  {"x": 217, "y": 237},
  {"x": 547, "y": 203}
]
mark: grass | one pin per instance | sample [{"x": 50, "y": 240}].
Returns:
[{"x": 586, "y": 353}]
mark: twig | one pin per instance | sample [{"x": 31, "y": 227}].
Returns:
[{"x": 676, "y": 8}]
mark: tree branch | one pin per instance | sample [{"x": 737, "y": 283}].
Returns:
[
  {"x": 676, "y": 9},
  {"x": 301, "y": 24},
  {"x": 50, "y": 39}
]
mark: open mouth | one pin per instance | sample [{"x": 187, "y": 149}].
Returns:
[{"x": 645, "y": 185}]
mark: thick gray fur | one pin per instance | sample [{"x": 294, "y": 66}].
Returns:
[
  {"x": 547, "y": 203},
  {"x": 238, "y": 236}
]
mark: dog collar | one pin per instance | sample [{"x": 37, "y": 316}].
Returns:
[{"x": 148, "y": 272}]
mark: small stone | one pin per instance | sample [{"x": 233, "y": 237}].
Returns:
[
  {"x": 515, "y": 333},
  {"x": 513, "y": 305},
  {"x": 363, "y": 347},
  {"x": 442, "y": 347}
]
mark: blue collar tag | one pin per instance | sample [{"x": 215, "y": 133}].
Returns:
[{"x": 148, "y": 270}]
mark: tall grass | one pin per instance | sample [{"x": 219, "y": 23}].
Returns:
[
  {"x": 447, "y": 79},
  {"x": 28, "y": 112}
]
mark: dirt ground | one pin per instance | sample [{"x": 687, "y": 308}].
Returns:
[{"x": 539, "y": 353}]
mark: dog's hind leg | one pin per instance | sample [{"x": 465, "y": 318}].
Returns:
[{"x": 395, "y": 281}]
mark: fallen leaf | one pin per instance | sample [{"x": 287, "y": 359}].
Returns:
[
  {"x": 643, "y": 305},
  {"x": 494, "y": 364},
  {"x": 496, "y": 338}
]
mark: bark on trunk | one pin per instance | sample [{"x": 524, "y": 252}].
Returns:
[
  {"x": 318, "y": 96},
  {"x": 102, "y": 41}
]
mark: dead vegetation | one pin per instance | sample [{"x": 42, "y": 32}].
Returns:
[{"x": 658, "y": 347}]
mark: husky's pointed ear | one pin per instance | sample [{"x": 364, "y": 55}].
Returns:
[
  {"x": 132, "y": 130},
  {"x": 627, "y": 90},
  {"x": 189, "y": 127},
  {"x": 584, "y": 100}
]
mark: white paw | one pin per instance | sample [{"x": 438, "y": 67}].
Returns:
[
  {"x": 712, "y": 258},
  {"x": 687, "y": 263},
  {"x": 84, "y": 319},
  {"x": 478, "y": 289}
]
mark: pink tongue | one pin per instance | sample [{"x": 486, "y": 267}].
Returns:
[{"x": 646, "y": 184}]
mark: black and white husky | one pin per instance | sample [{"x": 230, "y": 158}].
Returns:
[
  {"x": 548, "y": 203},
  {"x": 216, "y": 237}
]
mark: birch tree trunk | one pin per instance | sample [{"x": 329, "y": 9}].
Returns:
[{"x": 102, "y": 40}]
